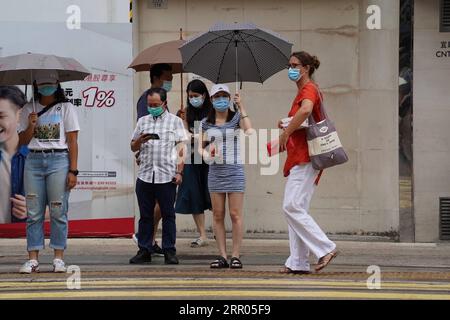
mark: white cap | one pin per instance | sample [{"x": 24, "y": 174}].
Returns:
[
  {"x": 46, "y": 76},
  {"x": 219, "y": 87}
]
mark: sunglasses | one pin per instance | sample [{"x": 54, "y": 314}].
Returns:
[{"x": 293, "y": 66}]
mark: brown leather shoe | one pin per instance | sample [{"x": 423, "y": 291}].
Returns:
[
  {"x": 286, "y": 270},
  {"x": 325, "y": 260}
]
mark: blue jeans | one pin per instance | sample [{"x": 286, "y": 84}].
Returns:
[{"x": 45, "y": 181}]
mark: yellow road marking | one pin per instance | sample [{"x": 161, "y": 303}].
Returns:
[
  {"x": 312, "y": 288},
  {"x": 232, "y": 293},
  {"x": 222, "y": 282},
  {"x": 190, "y": 284}
]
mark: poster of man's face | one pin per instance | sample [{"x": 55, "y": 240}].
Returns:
[
  {"x": 9, "y": 118},
  {"x": 105, "y": 185}
]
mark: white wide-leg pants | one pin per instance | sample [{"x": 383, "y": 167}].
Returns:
[{"x": 305, "y": 235}]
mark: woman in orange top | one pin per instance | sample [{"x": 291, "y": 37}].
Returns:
[{"x": 304, "y": 233}]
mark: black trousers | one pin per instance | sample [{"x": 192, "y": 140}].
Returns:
[{"x": 147, "y": 194}]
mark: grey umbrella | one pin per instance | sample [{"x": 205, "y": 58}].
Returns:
[
  {"x": 19, "y": 69},
  {"x": 236, "y": 52}
]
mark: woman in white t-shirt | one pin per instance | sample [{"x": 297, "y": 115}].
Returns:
[{"x": 51, "y": 166}]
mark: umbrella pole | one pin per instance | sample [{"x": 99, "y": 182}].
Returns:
[
  {"x": 32, "y": 91},
  {"x": 236, "y": 51},
  {"x": 181, "y": 77},
  {"x": 182, "y": 99}
]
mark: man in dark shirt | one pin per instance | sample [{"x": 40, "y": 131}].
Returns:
[{"x": 160, "y": 77}]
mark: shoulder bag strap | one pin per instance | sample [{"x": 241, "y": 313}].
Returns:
[
  {"x": 51, "y": 105},
  {"x": 322, "y": 108}
]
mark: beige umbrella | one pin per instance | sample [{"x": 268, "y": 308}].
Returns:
[{"x": 166, "y": 52}]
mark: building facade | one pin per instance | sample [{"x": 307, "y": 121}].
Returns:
[
  {"x": 359, "y": 77},
  {"x": 431, "y": 133},
  {"x": 383, "y": 73}
]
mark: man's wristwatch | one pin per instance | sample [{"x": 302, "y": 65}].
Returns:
[{"x": 74, "y": 172}]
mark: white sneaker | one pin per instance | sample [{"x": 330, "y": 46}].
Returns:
[
  {"x": 59, "y": 266},
  {"x": 30, "y": 266}
]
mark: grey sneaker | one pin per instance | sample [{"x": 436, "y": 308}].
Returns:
[
  {"x": 59, "y": 266},
  {"x": 30, "y": 266}
]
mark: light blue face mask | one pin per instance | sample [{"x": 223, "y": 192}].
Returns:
[
  {"x": 167, "y": 85},
  {"x": 294, "y": 74},
  {"x": 196, "y": 102},
  {"x": 47, "y": 90},
  {"x": 221, "y": 104},
  {"x": 155, "y": 111}
]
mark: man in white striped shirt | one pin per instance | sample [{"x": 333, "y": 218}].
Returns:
[{"x": 160, "y": 137}]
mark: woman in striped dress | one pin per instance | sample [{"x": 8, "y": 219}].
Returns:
[{"x": 220, "y": 147}]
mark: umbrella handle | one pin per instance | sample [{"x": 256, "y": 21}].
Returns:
[
  {"x": 181, "y": 91},
  {"x": 236, "y": 52},
  {"x": 32, "y": 91},
  {"x": 181, "y": 76}
]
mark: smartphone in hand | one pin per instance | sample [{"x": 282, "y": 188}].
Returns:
[{"x": 151, "y": 136}]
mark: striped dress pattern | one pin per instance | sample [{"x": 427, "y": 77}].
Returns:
[{"x": 226, "y": 171}]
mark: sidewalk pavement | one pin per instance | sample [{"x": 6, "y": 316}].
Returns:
[{"x": 104, "y": 255}]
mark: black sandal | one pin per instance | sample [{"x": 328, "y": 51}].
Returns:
[
  {"x": 235, "y": 263},
  {"x": 219, "y": 263}
]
